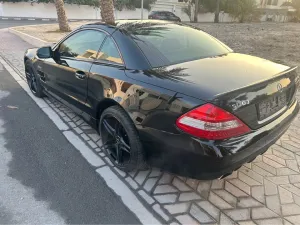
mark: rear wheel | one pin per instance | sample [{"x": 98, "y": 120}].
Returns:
[
  {"x": 33, "y": 82},
  {"x": 120, "y": 140}
]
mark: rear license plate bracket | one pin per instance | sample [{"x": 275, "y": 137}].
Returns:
[{"x": 271, "y": 105}]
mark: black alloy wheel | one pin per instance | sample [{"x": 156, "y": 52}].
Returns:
[
  {"x": 33, "y": 82},
  {"x": 120, "y": 140},
  {"x": 115, "y": 140}
]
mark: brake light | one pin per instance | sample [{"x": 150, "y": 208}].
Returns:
[{"x": 212, "y": 123}]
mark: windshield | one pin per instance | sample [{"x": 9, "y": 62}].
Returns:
[{"x": 175, "y": 43}]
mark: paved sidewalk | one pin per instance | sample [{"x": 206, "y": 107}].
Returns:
[
  {"x": 266, "y": 191},
  {"x": 12, "y": 49}
]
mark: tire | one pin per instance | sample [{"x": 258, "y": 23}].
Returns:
[
  {"x": 36, "y": 89},
  {"x": 136, "y": 159}
]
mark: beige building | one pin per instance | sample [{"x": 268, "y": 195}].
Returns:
[{"x": 274, "y": 10}]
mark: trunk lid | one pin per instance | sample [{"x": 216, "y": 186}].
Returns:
[
  {"x": 262, "y": 102},
  {"x": 242, "y": 84}
]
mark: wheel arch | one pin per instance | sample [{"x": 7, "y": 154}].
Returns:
[
  {"x": 25, "y": 59},
  {"x": 104, "y": 104}
]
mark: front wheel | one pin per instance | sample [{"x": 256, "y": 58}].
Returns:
[
  {"x": 33, "y": 82},
  {"x": 120, "y": 140}
]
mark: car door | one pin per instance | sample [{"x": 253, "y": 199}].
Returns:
[
  {"x": 66, "y": 74},
  {"x": 107, "y": 77}
]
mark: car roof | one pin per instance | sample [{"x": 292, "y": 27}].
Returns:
[{"x": 124, "y": 24}]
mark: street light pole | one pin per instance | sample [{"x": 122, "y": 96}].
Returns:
[{"x": 142, "y": 9}]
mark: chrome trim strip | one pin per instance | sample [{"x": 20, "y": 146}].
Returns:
[{"x": 272, "y": 116}]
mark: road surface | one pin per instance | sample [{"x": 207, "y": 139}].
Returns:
[
  {"x": 44, "y": 179},
  {"x": 14, "y": 23}
]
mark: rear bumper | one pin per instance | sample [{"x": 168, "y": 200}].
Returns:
[{"x": 208, "y": 160}]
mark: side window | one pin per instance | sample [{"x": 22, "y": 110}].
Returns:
[
  {"x": 109, "y": 52},
  {"x": 82, "y": 45}
]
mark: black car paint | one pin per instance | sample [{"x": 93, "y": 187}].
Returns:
[{"x": 155, "y": 97}]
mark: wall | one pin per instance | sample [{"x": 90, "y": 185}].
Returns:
[
  {"x": 43, "y": 10},
  {"x": 25, "y": 9}
]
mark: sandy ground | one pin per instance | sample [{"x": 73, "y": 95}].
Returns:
[
  {"x": 278, "y": 42},
  {"x": 48, "y": 32}
]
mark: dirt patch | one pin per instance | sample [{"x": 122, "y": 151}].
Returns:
[
  {"x": 279, "y": 42},
  {"x": 48, "y": 32}
]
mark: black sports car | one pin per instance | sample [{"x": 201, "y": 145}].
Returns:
[{"x": 168, "y": 95}]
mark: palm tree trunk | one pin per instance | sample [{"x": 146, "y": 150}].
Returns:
[
  {"x": 196, "y": 11},
  {"x": 107, "y": 11},
  {"x": 61, "y": 16},
  {"x": 217, "y": 12}
]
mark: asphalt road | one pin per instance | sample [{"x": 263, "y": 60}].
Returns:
[
  {"x": 43, "y": 178},
  {"x": 13, "y": 23}
]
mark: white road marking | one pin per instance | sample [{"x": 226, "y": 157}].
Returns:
[{"x": 127, "y": 196}]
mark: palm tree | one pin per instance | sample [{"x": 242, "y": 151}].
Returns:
[
  {"x": 217, "y": 12},
  {"x": 196, "y": 11},
  {"x": 107, "y": 11},
  {"x": 61, "y": 16}
]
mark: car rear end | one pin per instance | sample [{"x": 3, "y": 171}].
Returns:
[{"x": 241, "y": 124}]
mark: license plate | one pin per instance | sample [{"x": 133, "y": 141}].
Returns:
[{"x": 271, "y": 105}]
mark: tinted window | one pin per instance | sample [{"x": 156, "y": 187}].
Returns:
[
  {"x": 170, "y": 14},
  {"x": 84, "y": 44},
  {"x": 175, "y": 43},
  {"x": 152, "y": 13},
  {"x": 109, "y": 52}
]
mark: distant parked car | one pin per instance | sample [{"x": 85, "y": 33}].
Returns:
[{"x": 164, "y": 15}]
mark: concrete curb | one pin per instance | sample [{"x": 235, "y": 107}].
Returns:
[{"x": 30, "y": 39}]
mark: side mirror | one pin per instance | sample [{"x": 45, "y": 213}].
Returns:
[{"x": 45, "y": 52}]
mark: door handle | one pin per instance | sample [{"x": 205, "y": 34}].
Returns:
[{"x": 80, "y": 75}]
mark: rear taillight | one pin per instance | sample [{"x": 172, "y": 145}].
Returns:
[{"x": 211, "y": 122}]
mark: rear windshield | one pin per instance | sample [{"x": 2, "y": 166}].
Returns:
[{"x": 166, "y": 44}]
